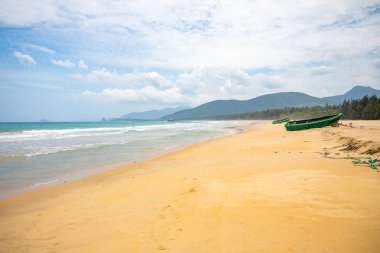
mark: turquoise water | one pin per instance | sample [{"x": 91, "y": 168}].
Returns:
[{"x": 39, "y": 154}]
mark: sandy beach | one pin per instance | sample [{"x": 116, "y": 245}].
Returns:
[{"x": 264, "y": 190}]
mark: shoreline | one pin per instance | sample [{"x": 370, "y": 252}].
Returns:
[
  {"x": 236, "y": 193},
  {"x": 88, "y": 172}
]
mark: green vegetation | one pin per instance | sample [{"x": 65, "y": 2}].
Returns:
[{"x": 367, "y": 108}]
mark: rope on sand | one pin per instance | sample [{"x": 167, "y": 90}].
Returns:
[{"x": 365, "y": 160}]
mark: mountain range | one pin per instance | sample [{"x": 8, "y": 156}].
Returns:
[{"x": 269, "y": 101}]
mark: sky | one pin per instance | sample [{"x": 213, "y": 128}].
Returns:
[{"x": 78, "y": 60}]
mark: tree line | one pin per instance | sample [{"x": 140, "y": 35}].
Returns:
[{"x": 366, "y": 108}]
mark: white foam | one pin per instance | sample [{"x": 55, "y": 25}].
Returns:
[
  {"x": 39, "y": 184},
  {"x": 31, "y": 135},
  {"x": 42, "y": 142},
  {"x": 57, "y": 149}
]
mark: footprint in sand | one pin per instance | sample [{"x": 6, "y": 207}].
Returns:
[
  {"x": 166, "y": 207},
  {"x": 161, "y": 247}
]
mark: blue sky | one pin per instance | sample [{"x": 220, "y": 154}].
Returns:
[{"x": 84, "y": 60}]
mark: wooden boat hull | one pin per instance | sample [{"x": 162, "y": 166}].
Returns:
[
  {"x": 279, "y": 121},
  {"x": 297, "y": 125}
]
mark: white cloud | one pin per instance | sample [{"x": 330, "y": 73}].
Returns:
[
  {"x": 205, "y": 84},
  {"x": 145, "y": 94},
  {"x": 24, "y": 58},
  {"x": 221, "y": 49},
  {"x": 376, "y": 63},
  {"x": 82, "y": 64},
  {"x": 189, "y": 34},
  {"x": 137, "y": 79},
  {"x": 366, "y": 80},
  {"x": 24, "y": 12},
  {"x": 321, "y": 70},
  {"x": 189, "y": 87},
  {"x": 63, "y": 63},
  {"x": 39, "y": 48}
]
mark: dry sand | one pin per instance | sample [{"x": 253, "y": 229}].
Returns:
[{"x": 265, "y": 190}]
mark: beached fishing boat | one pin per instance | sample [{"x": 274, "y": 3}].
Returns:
[
  {"x": 279, "y": 121},
  {"x": 296, "y": 125}
]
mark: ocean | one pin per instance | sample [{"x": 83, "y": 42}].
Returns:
[{"x": 34, "y": 155}]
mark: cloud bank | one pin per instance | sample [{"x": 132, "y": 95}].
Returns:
[{"x": 193, "y": 51}]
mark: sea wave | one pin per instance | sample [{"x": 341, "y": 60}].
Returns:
[
  {"x": 40, "y": 150},
  {"x": 40, "y": 157},
  {"x": 31, "y": 135},
  {"x": 36, "y": 142},
  {"x": 45, "y": 183}
]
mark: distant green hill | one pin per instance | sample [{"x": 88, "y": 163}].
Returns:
[{"x": 269, "y": 101}]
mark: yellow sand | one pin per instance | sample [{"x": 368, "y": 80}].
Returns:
[{"x": 266, "y": 190}]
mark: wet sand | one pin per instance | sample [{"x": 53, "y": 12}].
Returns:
[{"x": 265, "y": 190}]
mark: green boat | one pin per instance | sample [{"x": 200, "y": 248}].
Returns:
[
  {"x": 279, "y": 121},
  {"x": 296, "y": 125}
]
